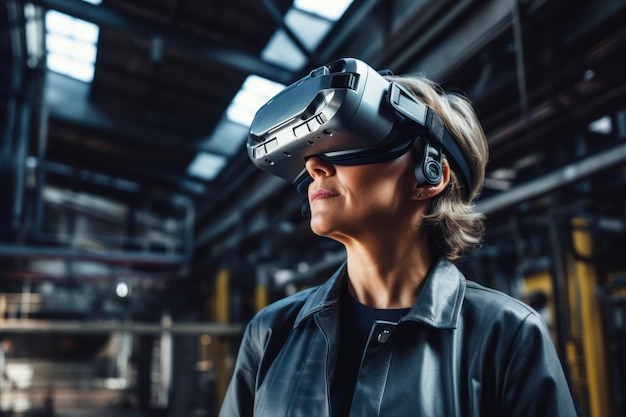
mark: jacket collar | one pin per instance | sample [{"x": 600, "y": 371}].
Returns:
[
  {"x": 438, "y": 304},
  {"x": 325, "y": 297}
]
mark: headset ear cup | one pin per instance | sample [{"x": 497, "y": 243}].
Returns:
[
  {"x": 432, "y": 172},
  {"x": 429, "y": 170}
]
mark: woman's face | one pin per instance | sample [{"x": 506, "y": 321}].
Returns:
[{"x": 355, "y": 201}]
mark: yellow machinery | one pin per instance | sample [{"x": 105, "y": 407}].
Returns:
[
  {"x": 585, "y": 344},
  {"x": 586, "y": 349}
]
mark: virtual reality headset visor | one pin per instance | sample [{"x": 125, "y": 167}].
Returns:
[{"x": 347, "y": 114}]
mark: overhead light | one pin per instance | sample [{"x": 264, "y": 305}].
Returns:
[
  {"x": 122, "y": 290},
  {"x": 254, "y": 92},
  {"x": 497, "y": 184},
  {"x": 503, "y": 174},
  {"x": 603, "y": 126},
  {"x": 206, "y": 165}
]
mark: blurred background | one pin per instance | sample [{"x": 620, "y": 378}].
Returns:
[{"x": 136, "y": 238}]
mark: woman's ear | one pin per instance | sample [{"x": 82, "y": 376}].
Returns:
[{"x": 426, "y": 192}]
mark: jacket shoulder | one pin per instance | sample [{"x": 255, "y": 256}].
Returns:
[
  {"x": 268, "y": 330},
  {"x": 496, "y": 305},
  {"x": 281, "y": 312}
]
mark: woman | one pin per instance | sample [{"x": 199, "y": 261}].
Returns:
[{"x": 398, "y": 330}]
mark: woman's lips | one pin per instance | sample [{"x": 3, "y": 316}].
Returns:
[{"x": 320, "y": 193}]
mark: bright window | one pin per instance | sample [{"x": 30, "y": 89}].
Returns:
[
  {"x": 310, "y": 21},
  {"x": 329, "y": 9},
  {"x": 254, "y": 93},
  {"x": 71, "y": 45},
  {"x": 206, "y": 165}
]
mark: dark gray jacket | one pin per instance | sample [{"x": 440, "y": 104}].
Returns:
[{"x": 463, "y": 350}]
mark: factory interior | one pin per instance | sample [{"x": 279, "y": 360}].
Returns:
[{"x": 137, "y": 239}]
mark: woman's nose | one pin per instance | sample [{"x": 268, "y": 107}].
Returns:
[{"x": 316, "y": 166}]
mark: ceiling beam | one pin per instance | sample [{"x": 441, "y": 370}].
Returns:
[
  {"x": 278, "y": 17},
  {"x": 128, "y": 179},
  {"x": 343, "y": 31},
  {"x": 109, "y": 17},
  {"x": 68, "y": 101}
]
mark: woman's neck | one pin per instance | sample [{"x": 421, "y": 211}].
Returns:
[{"x": 385, "y": 274}]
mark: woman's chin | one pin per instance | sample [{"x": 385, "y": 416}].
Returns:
[{"x": 321, "y": 224}]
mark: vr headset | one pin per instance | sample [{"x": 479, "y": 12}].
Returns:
[{"x": 347, "y": 113}]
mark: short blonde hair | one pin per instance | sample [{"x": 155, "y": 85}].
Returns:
[{"x": 452, "y": 225}]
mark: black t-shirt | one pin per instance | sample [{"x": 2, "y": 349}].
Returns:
[{"x": 356, "y": 321}]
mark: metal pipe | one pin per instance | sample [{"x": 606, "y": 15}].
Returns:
[
  {"x": 554, "y": 180},
  {"x": 20, "y": 154},
  {"x": 519, "y": 57},
  {"x": 14, "y": 104},
  {"x": 12, "y": 326},
  {"x": 40, "y": 171},
  {"x": 231, "y": 218},
  {"x": 113, "y": 257}
]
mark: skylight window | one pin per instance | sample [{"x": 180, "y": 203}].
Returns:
[
  {"x": 227, "y": 136},
  {"x": 206, "y": 165},
  {"x": 310, "y": 21},
  {"x": 330, "y": 9},
  {"x": 71, "y": 45},
  {"x": 254, "y": 93},
  {"x": 309, "y": 29}
]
